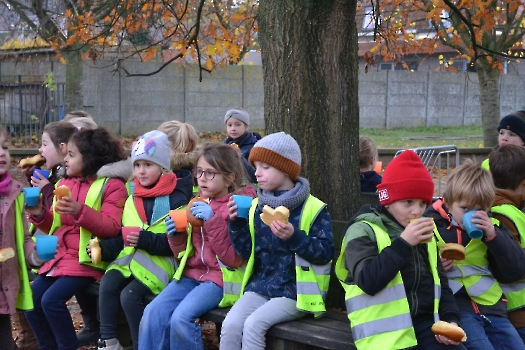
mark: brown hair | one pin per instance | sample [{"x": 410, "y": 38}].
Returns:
[
  {"x": 60, "y": 132},
  {"x": 472, "y": 184},
  {"x": 182, "y": 136},
  {"x": 367, "y": 151},
  {"x": 75, "y": 114},
  {"x": 507, "y": 166},
  {"x": 225, "y": 159},
  {"x": 82, "y": 123}
]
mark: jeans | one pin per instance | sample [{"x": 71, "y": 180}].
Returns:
[
  {"x": 487, "y": 332},
  {"x": 50, "y": 319},
  {"x": 169, "y": 320},
  {"x": 521, "y": 332}
]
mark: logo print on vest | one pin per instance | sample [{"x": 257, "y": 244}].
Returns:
[{"x": 383, "y": 195}]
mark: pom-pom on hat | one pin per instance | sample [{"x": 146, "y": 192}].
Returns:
[
  {"x": 238, "y": 114},
  {"x": 279, "y": 150},
  {"x": 154, "y": 147},
  {"x": 406, "y": 177},
  {"x": 514, "y": 122}
]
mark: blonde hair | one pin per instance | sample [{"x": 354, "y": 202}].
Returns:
[
  {"x": 82, "y": 123},
  {"x": 472, "y": 184},
  {"x": 77, "y": 114},
  {"x": 182, "y": 136},
  {"x": 367, "y": 151}
]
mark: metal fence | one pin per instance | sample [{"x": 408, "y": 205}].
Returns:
[{"x": 25, "y": 108}]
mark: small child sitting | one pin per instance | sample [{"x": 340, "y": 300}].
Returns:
[
  {"x": 237, "y": 121},
  {"x": 367, "y": 163}
]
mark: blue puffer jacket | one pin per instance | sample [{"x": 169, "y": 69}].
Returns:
[{"x": 245, "y": 143}]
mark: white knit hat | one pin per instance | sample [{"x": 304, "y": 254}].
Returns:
[{"x": 153, "y": 146}]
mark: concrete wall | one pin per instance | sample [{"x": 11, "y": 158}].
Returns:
[{"x": 134, "y": 105}]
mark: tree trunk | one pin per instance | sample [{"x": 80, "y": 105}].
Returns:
[
  {"x": 310, "y": 70},
  {"x": 489, "y": 79},
  {"x": 74, "y": 76}
]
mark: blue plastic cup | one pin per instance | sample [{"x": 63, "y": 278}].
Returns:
[
  {"x": 31, "y": 195},
  {"x": 243, "y": 204},
  {"x": 42, "y": 172},
  {"x": 470, "y": 227},
  {"x": 46, "y": 247}
]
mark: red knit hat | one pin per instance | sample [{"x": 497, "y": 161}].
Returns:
[{"x": 406, "y": 177}]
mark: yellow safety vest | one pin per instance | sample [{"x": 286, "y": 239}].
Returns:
[
  {"x": 514, "y": 292},
  {"x": 474, "y": 274},
  {"x": 94, "y": 201},
  {"x": 312, "y": 281},
  {"x": 24, "y": 299},
  {"x": 383, "y": 321}
]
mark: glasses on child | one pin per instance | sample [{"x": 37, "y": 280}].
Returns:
[{"x": 208, "y": 174}]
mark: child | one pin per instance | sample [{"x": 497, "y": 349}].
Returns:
[
  {"x": 128, "y": 280},
  {"x": 14, "y": 282},
  {"x": 507, "y": 165},
  {"x": 94, "y": 208},
  {"x": 367, "y": 163},
  {"x": 511, "y": 131},
  {"x": 395, "y": 288},
  {"x": 83, "y": 123},
  {"x": 482, "y": 305},
  {"x": 184, "y": 141},
  {"x": 237, "y": 121},
  {"x": 169, "y": 320},
  {"x": 76, "y": 114},
  {"x": 271, "y": 286}
]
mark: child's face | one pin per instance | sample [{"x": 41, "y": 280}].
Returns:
[
  {"x": 73, "y": 161},
  {"x": 458, "y": 209},
  {"x": 4, "y": 154},
  {"x": 272, "y": 179},
  {"x": 235, "y": 128},
  {"x": 50, "y": 152},
  {"x": 211, "y": 183},
  {"x": 405, "y": 210},
  {"x": 507, "y": 137},
  {"x": 147, "y": 173}
]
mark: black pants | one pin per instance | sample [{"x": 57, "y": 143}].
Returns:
[
  {"x": 426, "y": 340},
  {"x": 6, "y": 336},
  {"x": 115, "y": 290}
]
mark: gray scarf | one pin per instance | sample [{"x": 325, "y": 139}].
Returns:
[{"x": 290, "y": 199}]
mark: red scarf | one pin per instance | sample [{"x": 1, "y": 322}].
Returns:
[{"x": 163, "y": 187}]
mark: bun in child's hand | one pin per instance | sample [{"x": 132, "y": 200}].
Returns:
[
  {"x": 449, "y": 330},
  {"x": 62, "y": 191},
  {"x": 96, "y": 251},
  {"x": 270, "y": 215},
  {"x": 191, "y": 218},
  {"x": 36, "y": 161},
  {"x": 6, "y": 254},
  {"x": 452, "y": 251}
]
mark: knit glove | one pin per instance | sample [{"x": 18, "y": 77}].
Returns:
[
  {"x": 202, "y": 211},
  {"x": 170, "y": 226}
]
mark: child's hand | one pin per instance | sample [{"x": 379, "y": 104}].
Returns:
[
  {"x": 232, "y": 209},
  {"x": 447, "y": 264},
  {"x": 39, "y": 180},
  {"x": 35, "y": 210},
  {"x": 171, "y": 230},
  {"x": 88, "y": 250},
  {"x": 133, "y": 238},
  {"x": 444, "y": 340},
  {"x": 67, "y": 206},
  {"x": 202, "y": 211},
  {"x": 418, "y": 231},
  {"x": 282, "y": 230},
  {"x": 482, "y": 221},
  {"x": 26, "y": 170}
]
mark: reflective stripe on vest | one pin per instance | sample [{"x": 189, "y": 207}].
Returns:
[
  {"x": 473, "y": 274},
  {"x": 154, "y": 271},
  {"x": 379, "y": 321},
  {"x": 311, "y": 280},
  {"x": 24, "y": 298},
  {"x": 514, "y": 292},
  {"x": 94, "y": 201}
]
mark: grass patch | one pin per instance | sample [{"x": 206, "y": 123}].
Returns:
[{"x": 460, "y": 136}]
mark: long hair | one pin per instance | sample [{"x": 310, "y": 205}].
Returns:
[
  {"x": 182, "y": 136},
  {"x": 60, "y": 132}
]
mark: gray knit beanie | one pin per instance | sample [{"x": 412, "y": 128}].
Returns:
[
  {"x": 154, "y": 147},
  {"x": 279, "y": 150},
  {"x": 238, "y": 114}
]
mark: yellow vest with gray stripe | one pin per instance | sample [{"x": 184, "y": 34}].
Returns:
[
  {"x": 154, "y": 271},
  {"x": 514, "y": 292},
  {"x": 94, "y": 201},
  {"x": 474, "y": 274},
  {"x": 383, "y": 321},
  {"x": 311, "y": 280},
  {"x": 24, "y": 298}
]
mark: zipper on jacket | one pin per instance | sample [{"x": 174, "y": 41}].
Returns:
[{"x": 202, "y": 255}]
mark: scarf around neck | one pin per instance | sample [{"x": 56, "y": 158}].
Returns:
[
  {"x": 5, "y": 182},
  {"x": 290, "y": 199},
  {"x": 161, "y": 191}
]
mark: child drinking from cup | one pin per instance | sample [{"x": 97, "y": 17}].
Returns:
[
  {"x": 205, "y": 253},
  {"x": 130, "y": 277},
  {"x": 94, "y": 207},
  {"x": 482, "y": 304}
]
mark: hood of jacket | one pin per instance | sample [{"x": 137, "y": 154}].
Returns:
[
  {"x": 122, "y": 169},
  {"x": 184, "y": 161},
  {"x": 509, "y": 197}
]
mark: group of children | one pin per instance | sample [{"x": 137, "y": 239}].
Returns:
[{"x": 396, "y": 285}]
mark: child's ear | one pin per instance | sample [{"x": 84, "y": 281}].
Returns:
[
  {"x": 63, "y": 148},
  {"x": 231, "y": 179}
]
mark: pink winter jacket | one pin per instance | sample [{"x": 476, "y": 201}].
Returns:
[
  {"x": 105, "y": 223},
  {"x": 210, "y": 241},
  {"x": 10, "y": 270}
]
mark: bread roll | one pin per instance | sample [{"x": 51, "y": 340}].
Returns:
[
  {"x": 449, "y": 330},
  {"x": 191, "y": 218},
  {"x": 36, "y": 160},
  {"x": 62, "y": 191},
  {"x": 6, "y": 254},
  {"x": 96, "y": 251},
  {"x": 270, "y": 215},
  {"x": 452, "y": 251}
]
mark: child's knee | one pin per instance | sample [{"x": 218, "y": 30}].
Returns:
[{"x": 232, "y": 325}]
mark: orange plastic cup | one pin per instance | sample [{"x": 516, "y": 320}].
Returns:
[
  {"x": 379, "y": 167},
  {"x": 180, "y": 218}
]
